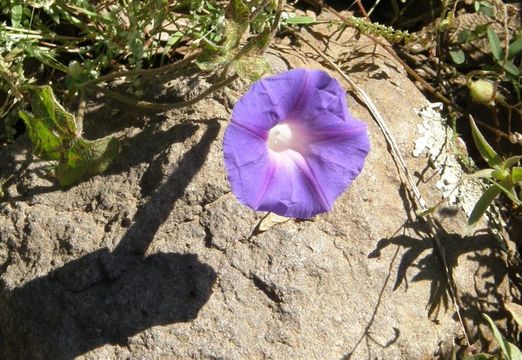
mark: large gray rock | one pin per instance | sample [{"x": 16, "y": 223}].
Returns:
[{"x": 156, "y": 259}]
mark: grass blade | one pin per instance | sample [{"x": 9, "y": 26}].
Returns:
[
  {"x": 486, "y": 151},
  {"x": 483, "y": 203},
  {"x": 498, "y": 336},
  {"x": 516, "y": 174}
]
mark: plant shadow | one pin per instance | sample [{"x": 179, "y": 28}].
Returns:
[
  {"x": 106, "y": 297},
  {"x": 133, "y": 151},
  {"x": 101, "y": 298},
  {"x": 364, "y": 60},
  {"x": 422, "y": 255},
  {"x": 366, "y": 335}
]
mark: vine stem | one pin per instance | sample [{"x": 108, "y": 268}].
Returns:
[
  {"x": 144, "y": 72},
  {"x": 162, "y": 106},
  {"x": 275, "y": 24}
]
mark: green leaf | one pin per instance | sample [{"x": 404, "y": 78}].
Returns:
[
  {"x": 484, "y": 173},
  {"x": 513, "y": 160},
  {"x": 55, "y": 136},
  {"x": 466, "y": 36},
  {"x": 481, "y": 29},
  {"x": 299, "y": 20},
  {"x": 251, "y": 67},
  {"x": 485, "y": 8},
  {"x": 236, "y": 24},
  {"x": 516, "y": 312},
  {"x": 46, "y": 144},
  {"x": 50, "y": 127},
  {"x": 254, "y": 45},
  {"x": 174, "y": 38},
  {"x": 489, "y": 11},
  {"x": 503, "y": 344},
  {"x": 507, "y": 187},
  {"x": 51, "y": 112},
  {"x": 207, "y": 61},
  {"x": 494, "y": 44},
  {"x": 483, "y": 203},
  {"x": 515, "y": 48},
  {"x": 238, "y": 12},
  {"x": 511, "y": 68},
  {"x": 500, "y": 174},
  {"x": 234, "y": 32},
  {"x": 486, "y": 151},
  {"x": 458, "y": 56},
  {"x": 86, "y": 158},
  {"x": 16, "y": 15},
  {"x": 221, "y": 53},
  {"x": 516, "y": 174},
  {"x": 514, "y": 351}
]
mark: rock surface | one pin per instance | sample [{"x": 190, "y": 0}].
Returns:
[{"x": 361, "y": 282}]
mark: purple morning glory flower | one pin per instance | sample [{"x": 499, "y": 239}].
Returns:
[{"x": 292, "y": 147}]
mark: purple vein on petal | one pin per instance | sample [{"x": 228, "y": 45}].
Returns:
[
  {"x": 252, "y": 130},
  {"x": 267, "y": 92},
  {"x": 299, "y": 98},
  {"x": 266, "y": 183},
  {"x": 325, "y": 135},
  {"x": 301, "y": 163}
]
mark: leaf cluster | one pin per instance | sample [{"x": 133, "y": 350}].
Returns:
[
  {"x": 73, "y": 42},
  {"x": 504, "y": 55},
  {"x": 503, "y": 175},
  {"x": 56, "y": 136},
  {"x": 245, "y": 58},
  {"x": 78, "y": 44}
]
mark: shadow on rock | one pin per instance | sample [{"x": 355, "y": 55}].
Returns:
[
  {"x": 150, "y": 142},
  {"x": 103, "y": 297},
  {"x": 366, "y": 335},
  {"x": 100, "y": 299},
  {"x": 423, "y": 255}
]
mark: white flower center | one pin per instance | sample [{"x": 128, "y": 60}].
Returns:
[{"x": 280, "y": 138}]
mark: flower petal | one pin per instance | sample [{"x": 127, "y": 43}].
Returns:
[
  {"x": 270, "y": 100},
  {"x": 337, "y": 161},
  {"x": 321, "y": 104},
  {"x": 248, "y": 164},
  {"x": 292, "y": 191}
]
